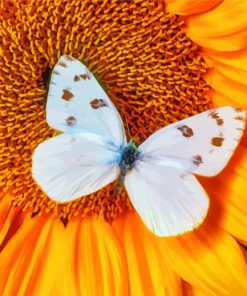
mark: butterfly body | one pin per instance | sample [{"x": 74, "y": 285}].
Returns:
[
  {"x": 129, "y": 155},
  {"x": 159, "y": 176}
]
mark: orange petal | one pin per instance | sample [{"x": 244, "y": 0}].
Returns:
[
  {"x": 232, "y": 65},
  {"x": 229, "y": 189},
  {"x": 5, "y": 205},
  {"x": 147, "y": 266},
  {"x": 187, "y": 7},
  {"x": 192, "y": 291},
  {"x": 207, "y": 258},
  {"x": 10, "y": 220},
  {"x": 223, "y": 28},
  {"x": 225, "y": 90},
  {"x": 210, "y": 260},
  {"x": 188, "y": 290},
  {"x": 44, "y": 258}
]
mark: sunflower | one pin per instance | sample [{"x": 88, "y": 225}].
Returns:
[{"x": 160, "y": 61}]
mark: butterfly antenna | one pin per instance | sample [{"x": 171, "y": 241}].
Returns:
[
  {"x": 128, "y": 130},
  {"x": 141, "y": 131}
]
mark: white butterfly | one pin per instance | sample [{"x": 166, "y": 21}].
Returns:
[{"x": 93, "y": 151}]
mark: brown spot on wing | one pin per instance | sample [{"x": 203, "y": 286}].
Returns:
[
  {"x": 67, "y": 95},
  {"x": 81, "y": 76},
  {"x": 69, "y": 58},
  {"x": 98, "y": 103},
  {"x": 85, "y": 76},
  {"x": 216, "y": 117},
  {"x": 71, "y": 121},
  {"x": 62, "y": 64},
  {"x": 56, "y": 72},
  {"x": 197, "y": 160},
  {"x": 186, "y": 131},
  {"x": 217, "y": 141},
  {"x": 240, "y": 118},
  {"x": 238, "y": 109},
  {"x": 77, "y": 78}
]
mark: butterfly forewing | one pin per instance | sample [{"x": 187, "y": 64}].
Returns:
[
  {"x": 202, "y": 144},
  {"x": 77, "y": 103}
]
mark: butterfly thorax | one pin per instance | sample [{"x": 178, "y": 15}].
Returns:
[{"x": 129, "y": 155}]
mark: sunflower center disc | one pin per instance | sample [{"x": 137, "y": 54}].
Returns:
[{"x": 152, "y": 71}]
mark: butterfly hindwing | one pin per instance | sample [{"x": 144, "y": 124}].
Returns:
[
  {"x": 70, "y": 166},
  {"x": 169, "y": 200},
  {"x": 203, "y": 143},
  {"x": 77, "y": 103}
]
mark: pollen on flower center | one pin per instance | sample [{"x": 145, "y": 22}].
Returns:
[{"x": 152, "y": 72}]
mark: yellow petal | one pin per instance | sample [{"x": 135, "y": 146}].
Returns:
[
  {"x": 209, "y": 259},
  {"x": 186, "y": 7},
  {"x": 44, "y": 258},
  {"x": 200, "y": 292},
  {"x": 223, "y": 28},
  {"x": 149, "y": 273}
]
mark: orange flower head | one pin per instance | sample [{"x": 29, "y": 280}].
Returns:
[{"x": 160, "y": 62}]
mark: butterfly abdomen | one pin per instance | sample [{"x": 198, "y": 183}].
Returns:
[{"x": 120, "y": 182}]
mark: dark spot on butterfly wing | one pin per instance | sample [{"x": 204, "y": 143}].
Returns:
[
  {"x": 77, "y": 78},
  {"x": 240, "y": 118},
  {"x": 67, "y": 95},
  {"x": 85, "y": 76},
  {"x": 217, "y": 141},
  {"x": 62, "y": 64},
  {"x": 238, "y": 109},
  {"x": 69, "y": 58},
  {"x": 216, "y": 117},
  {"x": 71, "y": 121},
  {"x": 186, "y": 131},
  {"x": 98, "y": 103},
  {"x": 197, "y": 160},
  {"x": 55, "y": 72}
]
